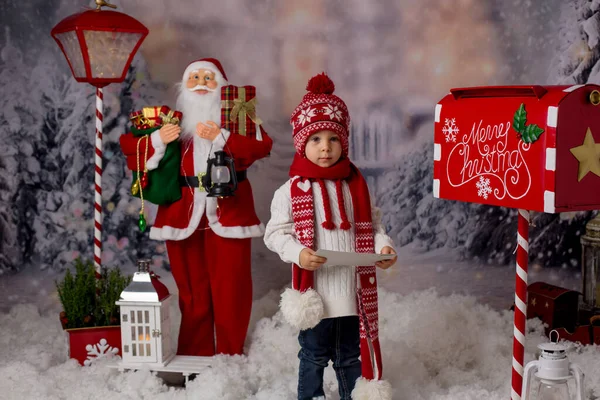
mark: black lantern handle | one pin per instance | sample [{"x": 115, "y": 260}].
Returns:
[{"x": 234, "y": 181}]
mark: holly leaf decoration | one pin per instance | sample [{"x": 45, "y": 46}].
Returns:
[
  {"x": 527, "y": 133},
  {"x": 519, "y": 119},
  {"x": 532, "y": 133}
]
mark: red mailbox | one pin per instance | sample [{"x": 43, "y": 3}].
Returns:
[{"x": 529, "y": 147}]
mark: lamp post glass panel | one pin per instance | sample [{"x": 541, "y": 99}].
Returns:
[
  {"x": 590, "y": 263},
  {"x": 99, "y": 47}
]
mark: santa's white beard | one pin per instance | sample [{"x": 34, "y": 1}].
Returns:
[{"x": 198, "y": 108}]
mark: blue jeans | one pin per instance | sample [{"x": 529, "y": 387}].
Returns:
[{"x": 335, "y": 339}]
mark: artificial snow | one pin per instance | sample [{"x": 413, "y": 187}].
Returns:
[{"x": 435, "y": 345}]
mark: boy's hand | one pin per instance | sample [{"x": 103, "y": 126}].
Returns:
[
  {"x": 310, "y": 261},
  {"x": 387, "y": 263}
]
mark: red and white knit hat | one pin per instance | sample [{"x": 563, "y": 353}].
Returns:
[
  {"x": 207, "y": 63},
  {"x": 320, "y": 110}
]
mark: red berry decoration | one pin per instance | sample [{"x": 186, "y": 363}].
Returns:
[{"x": 144, "y": 180}]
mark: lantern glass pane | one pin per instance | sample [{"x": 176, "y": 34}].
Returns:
[
  {"x": 220, "y": 175},
  {"x": 141, "y": 350},
  {"x": 109, "y": 51},
  {"x": 147, "y": 317},
  {"x": 139, "y": 316},
  {"x": 132, "y": 317},
  {"x": 148, "y": 352},
  {"x": 72, "y": 49},
  {"x": 133, "y": 333},
  {"x": 553, "y": 391}
]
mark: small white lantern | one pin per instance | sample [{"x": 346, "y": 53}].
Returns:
[
  {"x": 553, "y": 370},
  {"x": 145, "y": 326}
]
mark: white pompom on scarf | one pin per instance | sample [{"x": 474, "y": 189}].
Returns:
[
  {"x": 366, "y": 389},
  {"x": 302, "y": 310}
]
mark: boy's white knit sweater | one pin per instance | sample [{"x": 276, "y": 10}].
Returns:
[{"x": 335, "y": 284}]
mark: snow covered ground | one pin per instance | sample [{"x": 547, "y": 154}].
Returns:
[{"x": 451, "y": 342}]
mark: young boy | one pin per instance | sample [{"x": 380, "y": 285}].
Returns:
[{"x": 326, "y": 205}]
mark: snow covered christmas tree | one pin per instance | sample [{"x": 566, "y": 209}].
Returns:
[{"x": 46, "y": 160}]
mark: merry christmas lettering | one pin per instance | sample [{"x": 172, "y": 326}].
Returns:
[{"x": 487, "y": 151}]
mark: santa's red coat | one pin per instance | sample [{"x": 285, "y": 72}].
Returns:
[{"x": 232, "y": 217}]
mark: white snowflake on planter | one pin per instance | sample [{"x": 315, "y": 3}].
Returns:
[
  {"x": 305, "y": 116},
  {"x": 483, "y": 187},
  {"x": 450, "y": 129},
  {"x": 98, "y": 351},
  {"x": 333, "y": 112}
]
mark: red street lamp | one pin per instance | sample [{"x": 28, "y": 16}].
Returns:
[{"x": 99, "y": 46}]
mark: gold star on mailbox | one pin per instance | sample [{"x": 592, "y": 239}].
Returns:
[{"x": 588, "y": 155}]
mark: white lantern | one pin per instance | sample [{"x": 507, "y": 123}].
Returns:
[
  {"x": 145, "y": 326},
  {"x": 553, "y": 370}
]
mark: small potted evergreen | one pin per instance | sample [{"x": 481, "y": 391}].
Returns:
[{"x": 90, "y": 314}]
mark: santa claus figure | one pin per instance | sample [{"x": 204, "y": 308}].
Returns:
[{"x": 208, "y": 239}]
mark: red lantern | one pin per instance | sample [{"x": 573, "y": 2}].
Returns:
[{"x": 99, "y": 46}]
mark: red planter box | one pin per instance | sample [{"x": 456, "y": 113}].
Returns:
[{"x": 89, "y": 344}]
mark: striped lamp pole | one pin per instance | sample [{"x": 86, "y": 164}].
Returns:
[
  {"x": 98, "y": 185},
  {"x": 520, "y": 304},
  {"x": 85, "y": 39}
]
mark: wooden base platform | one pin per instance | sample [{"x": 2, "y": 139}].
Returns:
[{"x": 186, "y": 365}]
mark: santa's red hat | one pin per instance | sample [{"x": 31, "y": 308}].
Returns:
[
  {"x": 320, "y": 110},
  {"x": 207, "y": 63}
]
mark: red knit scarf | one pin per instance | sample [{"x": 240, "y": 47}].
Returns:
[{"x": 304, "y": 172}]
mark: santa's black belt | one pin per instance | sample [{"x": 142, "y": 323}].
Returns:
[{"x": 193, "y": 181}]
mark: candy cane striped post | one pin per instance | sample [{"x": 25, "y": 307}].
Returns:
[
  {"x": 98, "y": 185},
  {"x": 520, "y": 304}
]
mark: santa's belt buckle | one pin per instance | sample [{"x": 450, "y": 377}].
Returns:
[{"x": 200, "y": 186}]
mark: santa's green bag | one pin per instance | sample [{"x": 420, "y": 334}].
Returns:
[{"x": 160, "y": 185}]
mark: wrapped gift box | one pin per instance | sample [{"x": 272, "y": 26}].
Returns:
[{"x": 238, "y": 111}]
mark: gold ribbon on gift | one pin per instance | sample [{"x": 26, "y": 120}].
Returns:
[
  {"x": 139, "y": 120},
  {"x": 240, "y": 109},
  {"x": 169, "y": 118},
  {"x": 150, "y": 114}
]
